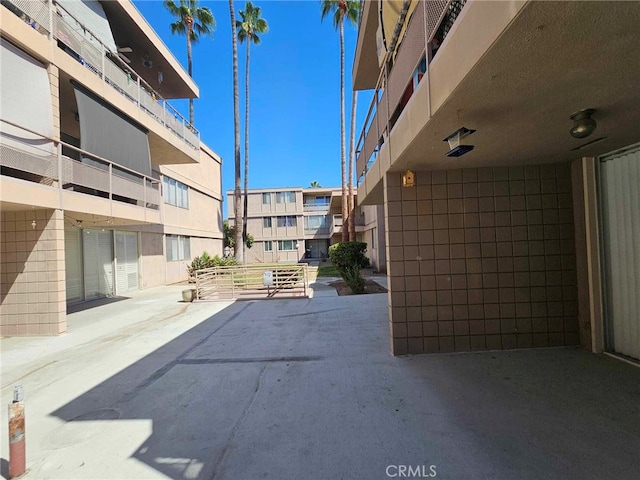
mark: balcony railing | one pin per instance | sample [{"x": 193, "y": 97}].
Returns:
[
  {"x": 316, "y": 231},
  {"x": 314, "y": 207},
  {"x": 97, "y": 58},
  {"x": 42, "y": 161},
  {"x": 426, "y": 30}
]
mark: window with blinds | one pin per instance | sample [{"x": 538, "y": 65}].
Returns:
[
  {"x": 175, "y": 193},
  {"x": 178, "y": 248}
]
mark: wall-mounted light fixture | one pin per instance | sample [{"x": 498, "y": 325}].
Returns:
[
  {"x": 160, "y": 77},
  {"x": 33, "y": 224},
  {"x": 454, "y": 139},
  {"x": 408, "y": 179},
  {"x": 583, "y": 124}
]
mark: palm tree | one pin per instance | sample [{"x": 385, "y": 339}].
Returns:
[
  {"x": 248, "y": 30},
  {"x": 236, "y": 126},
  {"x": 352, "y": 204},
  {"x": 315, "y": 184},
  {"x": 341, "y": 10},
  {"x": 193, "y": 21}
]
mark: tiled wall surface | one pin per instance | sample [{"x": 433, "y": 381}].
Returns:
[
  {"x": 32, "y": 282},
  {"x": 481, "y": 259}
]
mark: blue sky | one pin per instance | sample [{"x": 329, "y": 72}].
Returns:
[{"x": 295, "y": 91}]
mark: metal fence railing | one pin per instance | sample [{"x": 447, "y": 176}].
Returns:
[
  {"x": 96, "y": 57},
  {"x": 252, "y": 281},
  {"x": 86, "y": 173}
]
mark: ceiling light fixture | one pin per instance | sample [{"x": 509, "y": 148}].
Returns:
[
  {"x": 454, "y": 139},
  {"x": 583, "y": 124}
]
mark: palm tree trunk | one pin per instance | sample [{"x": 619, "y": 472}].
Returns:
[
  {"x": 352, "y": 206},
  {"x": 236, "y": 127},
  {"x": 190, "y": 65},
  {"x": 246, "y": 153},
  {"x": 343, "y": 154}
]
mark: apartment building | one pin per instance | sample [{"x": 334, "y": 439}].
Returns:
[
  {"x": 503, "y": 146},
  {"x": 294, "y": 224},
  {"x": 104, "y": 188}
]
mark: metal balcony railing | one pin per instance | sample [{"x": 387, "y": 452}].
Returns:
[
  {"x": 42, "y": 161},
  {"x": 96, "y": 57},
  {"x": 403, "y": 68}
]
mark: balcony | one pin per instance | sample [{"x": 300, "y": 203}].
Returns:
[
  {"x": 425, "y": 32},
  {"x": 42, "y": 162},
  {"x": 106, "y": 65},
  {"x": 314, "y": 207}
]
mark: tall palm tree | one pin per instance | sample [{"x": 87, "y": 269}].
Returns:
[
  {"x": 248, "y": 30},
  {"x": 352, "y": 203},
  {"x": 236, "y": 127},
  {"x": 193, "y": 21},
  {"x": 342, "y": 10}
]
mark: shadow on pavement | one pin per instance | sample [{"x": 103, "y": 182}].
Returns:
[{"x": 306, "y": 389}]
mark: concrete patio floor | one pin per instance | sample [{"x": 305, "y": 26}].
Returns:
[{"x": 149, "y": 387}]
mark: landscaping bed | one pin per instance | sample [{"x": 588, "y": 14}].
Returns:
[{"x": 369, "y": 287}]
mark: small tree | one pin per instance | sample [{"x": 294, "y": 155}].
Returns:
[
  {"x": 230, "y": 236},
  {"x": 348, "y": 258}
]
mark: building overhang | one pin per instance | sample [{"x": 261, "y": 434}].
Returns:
[
  {"x": 148, "y": 53},
  {"x": 517, "y": 85},
  {"x": 365, "y": 65}
]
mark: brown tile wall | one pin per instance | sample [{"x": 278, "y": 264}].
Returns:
[
  {"x": 481, "y": 259},
  {"x": 32, "y": 282}
]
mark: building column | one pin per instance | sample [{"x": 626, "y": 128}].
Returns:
[{"x": 32, "y": 287}]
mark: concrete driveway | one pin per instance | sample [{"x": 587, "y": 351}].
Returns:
[{"x": 149, "y": 387}]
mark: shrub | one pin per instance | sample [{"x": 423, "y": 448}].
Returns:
[
  {"x": 207, "y": 261},
  {"x": 348, "y": 258}
]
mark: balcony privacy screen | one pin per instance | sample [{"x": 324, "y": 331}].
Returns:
[
  {"x": 90, "y": 14},
  {"x": 106, "y": 132},
  {"x": 26, "y": 101}
]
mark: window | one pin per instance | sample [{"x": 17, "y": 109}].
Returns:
[
  {"x": 175, "y": 193},
  {"x": 374, "y": 234},
  {"x": 315, "y": 221},
  {"x": 286, "y": 245},
  {"x": 178, "y": 248},
  {"x": 323, "y": 200},
  {"x": 285, "y": 197},
  {"x": 183, "y": 198},
  {"x": 266, "y": 222},
  {"x": 268, "y": 246},
  {"x": 266, "y": 198},
  {"x": 287, "y": 221}
]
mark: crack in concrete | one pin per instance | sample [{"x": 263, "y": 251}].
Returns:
[
  {"x": 215, "y": 361},
  {"x": 310, "y": 313},
  {"x": 227, "y": 446}
]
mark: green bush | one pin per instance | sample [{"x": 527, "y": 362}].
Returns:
[
  {"x": 207, "y": 261},
  {"x": 348, "y": 258}
]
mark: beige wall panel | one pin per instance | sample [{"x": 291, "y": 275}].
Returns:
[
  {"x": 477, "y": 27},
  {"x": 482, "y": 259},
  {"x": 152, "y": 259},
  {"x": 204, "y": 176},
  {"x": 32, "y": 281}
]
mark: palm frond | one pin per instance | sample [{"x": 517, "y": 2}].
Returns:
[{"x": 251, "y": 25}]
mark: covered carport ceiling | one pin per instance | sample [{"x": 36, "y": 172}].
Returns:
[{"x": 554, "y": 59}]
